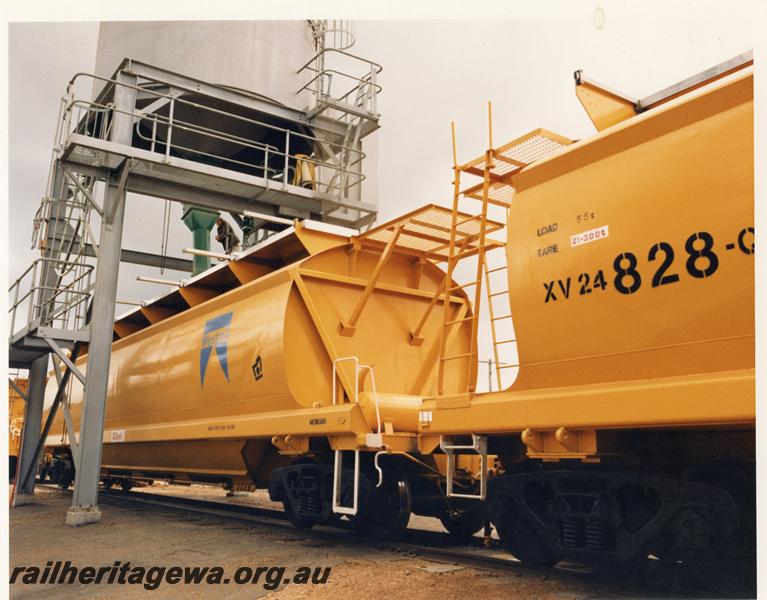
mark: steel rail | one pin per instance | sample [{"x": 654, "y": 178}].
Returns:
[{"x": 442, "y": 547}]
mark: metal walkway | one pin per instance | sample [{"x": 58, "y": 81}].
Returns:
[
  {"x": 168, "y": 136},
  {"x": 259, "y": 156}
]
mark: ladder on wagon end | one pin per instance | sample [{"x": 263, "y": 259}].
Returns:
[
  {"x": 504, "y": 318},
  {"x": 495, "y": 168}
]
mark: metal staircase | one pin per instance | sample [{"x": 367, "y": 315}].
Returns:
[{"x": 51, "y": 297}]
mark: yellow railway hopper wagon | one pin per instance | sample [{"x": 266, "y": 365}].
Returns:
[
  {"x": 16, "y": 407},
  {"x": 263, "y": 370},
  {"x": 629, "y": 430}
]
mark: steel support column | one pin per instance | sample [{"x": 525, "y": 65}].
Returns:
[
  {"x": 33, "y": 417},
  {"x": 84, "y": 499},
  {"x": 84, "y": 507}
]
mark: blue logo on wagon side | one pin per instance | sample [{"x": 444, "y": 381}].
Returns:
[{"x": 216, "y": 335}]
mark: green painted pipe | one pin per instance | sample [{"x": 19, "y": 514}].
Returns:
[{"x": 200, "y": 221}]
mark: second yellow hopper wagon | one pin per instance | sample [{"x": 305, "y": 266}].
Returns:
[{"x": 630, "y": 427}]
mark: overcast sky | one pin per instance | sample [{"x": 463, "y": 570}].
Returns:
[{"x": 435, "y": 71}]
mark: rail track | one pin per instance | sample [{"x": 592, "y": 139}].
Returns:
[{"x": 649, "y": 579}]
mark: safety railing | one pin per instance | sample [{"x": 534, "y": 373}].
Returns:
[
  {"x": 358, "y": 368},
  {"x": 335, "y": 167},
  {"x": 374, "y": 440},
  {"x": 51, "y": 293},
  {"x": 332, "y": 87},
  {"x": 332, "y": 33}
]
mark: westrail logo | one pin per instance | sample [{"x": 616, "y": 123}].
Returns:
[{"x": 216, "y": 335}]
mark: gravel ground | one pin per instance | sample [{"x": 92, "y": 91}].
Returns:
[
  {"x": 413, "y": 579},
  {"x": 162, "y": 537}
]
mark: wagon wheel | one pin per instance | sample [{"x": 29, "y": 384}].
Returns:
[
  {"x": 64, "y": 474},
  {"x": 518, "y": 534},
  {"x": 295, "y": 520},
  {"x": 463, "y": 524},
  {"x": 386, "y": 512}
]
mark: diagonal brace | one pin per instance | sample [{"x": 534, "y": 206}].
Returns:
[
  {"x": 84, "y": 192},
  {"x": 415, "y": 335},
  {"x": 349, "y": 327},
  {"x": 73, "y": 445},
  {"x": 60, "y": 393},
  {"x": 65, "y": 359},
  {"x": 17, "y": 389}
]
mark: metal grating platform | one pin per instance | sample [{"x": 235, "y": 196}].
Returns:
[
  {"x": 510, "y": 159},
  {"x": 426, "y": 232},
  {"x": 497, "y": 192},
  {"x": 519, "y": 153}
]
